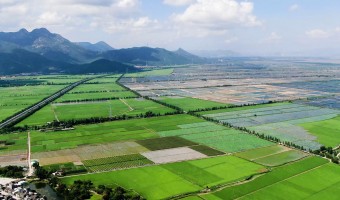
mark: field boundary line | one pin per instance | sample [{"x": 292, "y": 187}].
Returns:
[
  {"x": 55, "y": 114},
  {"x": 283, "y": 180},
  {"x": 122, "y": 100},
  {"x": 288, "y": 149}
]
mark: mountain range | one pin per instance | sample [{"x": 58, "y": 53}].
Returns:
[{"x": 41, "y": 51}]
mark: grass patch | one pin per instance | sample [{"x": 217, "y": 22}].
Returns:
[
  {"x": 261, "y": 152},
  {"x": 165, "y": 143},
  {"x": 207, "y": 150},
  {"x": 281, "y": 158}
]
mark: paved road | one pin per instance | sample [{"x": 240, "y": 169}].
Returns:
[{"x": 16, "y": 118}]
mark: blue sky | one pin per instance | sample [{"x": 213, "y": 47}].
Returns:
[{"x": 250, "y": 27}]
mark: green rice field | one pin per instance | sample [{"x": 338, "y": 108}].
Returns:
[
  {"x": 68, "y": 111},
  {"x": 136, "y": 129},
  {"x": 174, "y": 179},
  {"x": 188, "y": 104},
  {"x": 275, "y": 177},
  {"x": 327, "y": 131}
]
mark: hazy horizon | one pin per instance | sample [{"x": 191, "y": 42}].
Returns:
[{"x": 256, "y": 27}]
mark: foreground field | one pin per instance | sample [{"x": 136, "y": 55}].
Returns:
[
  {"x": 176, "y": 178},
  {"x": 303, "y": 170}
]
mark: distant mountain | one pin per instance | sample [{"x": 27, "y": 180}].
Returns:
[
  {"x": 216, "y": 53},
  {"x": 41, "y": 51},
  {"x": 23, "y": 61},
  {"x": 151, "y": 56},
  {"x": 50, "y": 45},
  {"x": 97, "y": 47},
  {"x": 100, "y": 66}
]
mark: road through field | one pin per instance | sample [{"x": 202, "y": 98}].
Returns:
[{"x": 30, "y": 110}]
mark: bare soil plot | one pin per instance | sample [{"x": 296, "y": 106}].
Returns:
[
  {"x": 19, "y": 159},
  {"x": 88, "y": 152},
  {"x": 173, "y": 155}
]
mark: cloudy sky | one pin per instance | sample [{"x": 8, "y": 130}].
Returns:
[{"x": 253, "y": 27}]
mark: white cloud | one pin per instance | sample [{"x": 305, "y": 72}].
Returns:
[
  {"x": 178, "y": 2},
  {"x": 231, "y": 40},
  {"x": 294, "y": 7},
  {"x": 218, "y": 14},
  {"x": 318, "y": 34},
  {"x": 274, "y": 37}
]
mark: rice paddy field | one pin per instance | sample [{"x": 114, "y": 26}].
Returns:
[
  {"x": 283, "y": 179},
  {"x": 283, "y": 121},
  {"x": 15, "y": 99},
  {"x": 188, "y": 155},
  {"x": 176, "y": 178},
  {"x": 85, "y": 110},
  {"x": 190, "y": 104}
]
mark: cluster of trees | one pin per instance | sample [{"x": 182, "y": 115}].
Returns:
[
  {"x": 230, "y": 106},
  {"x": 180, "y": 110},
  {"x": 77, "y": 191},
  {"x": 12, "y": 171},
  {"x": 96, "y": 91},
  {"x": 328, "y": 152},
  {"x": 96, "y": 99},
  {"x": 118, "y": 193},
  {"x": 84, "y": 189}
]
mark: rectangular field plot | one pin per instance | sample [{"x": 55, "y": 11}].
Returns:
[
  {"x": 188, "y": 104},
  {"x": 173, "y": 155},
  {"x": 142, "y": 180},
  {"x": 175, "y": 178},
  {"x": 280, "y": 121},
  {"x": 95, "y": 96},
  {"x": 104, "y": 133},
  {"x": 273, "y": 114},
  {"x": 326, "y": 131},
  {"x": 117, "y": 162},
  {"x": 15, "y": 99},
  {"x": 271, "y": 178},
  {"x": 215, "y": 171},
  {"x": 238, "y": 95},
  {"x": 261, "y": 152},
  {"x": 88, "y": 152},
  {"x": 19, "y": 159},
  {"x": 191, "y": 129},
  {"x": 207, "y": 150},
  {"x": 281, "y": 158},
  {"x": 97, "y": 88},
  {"x": 85, "y": 110},
  {"x": 328, "y": 102},
  {"x": 228, "y": 140},
  {"x": 165, "y": 143},
  {"x": 318, "y": 183}
]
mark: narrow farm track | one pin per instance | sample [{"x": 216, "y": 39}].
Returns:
[
  {"x": 55, "y": 114},
  {"x": 122, "y": 100},
  {"x": 30, "y": 110}
]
